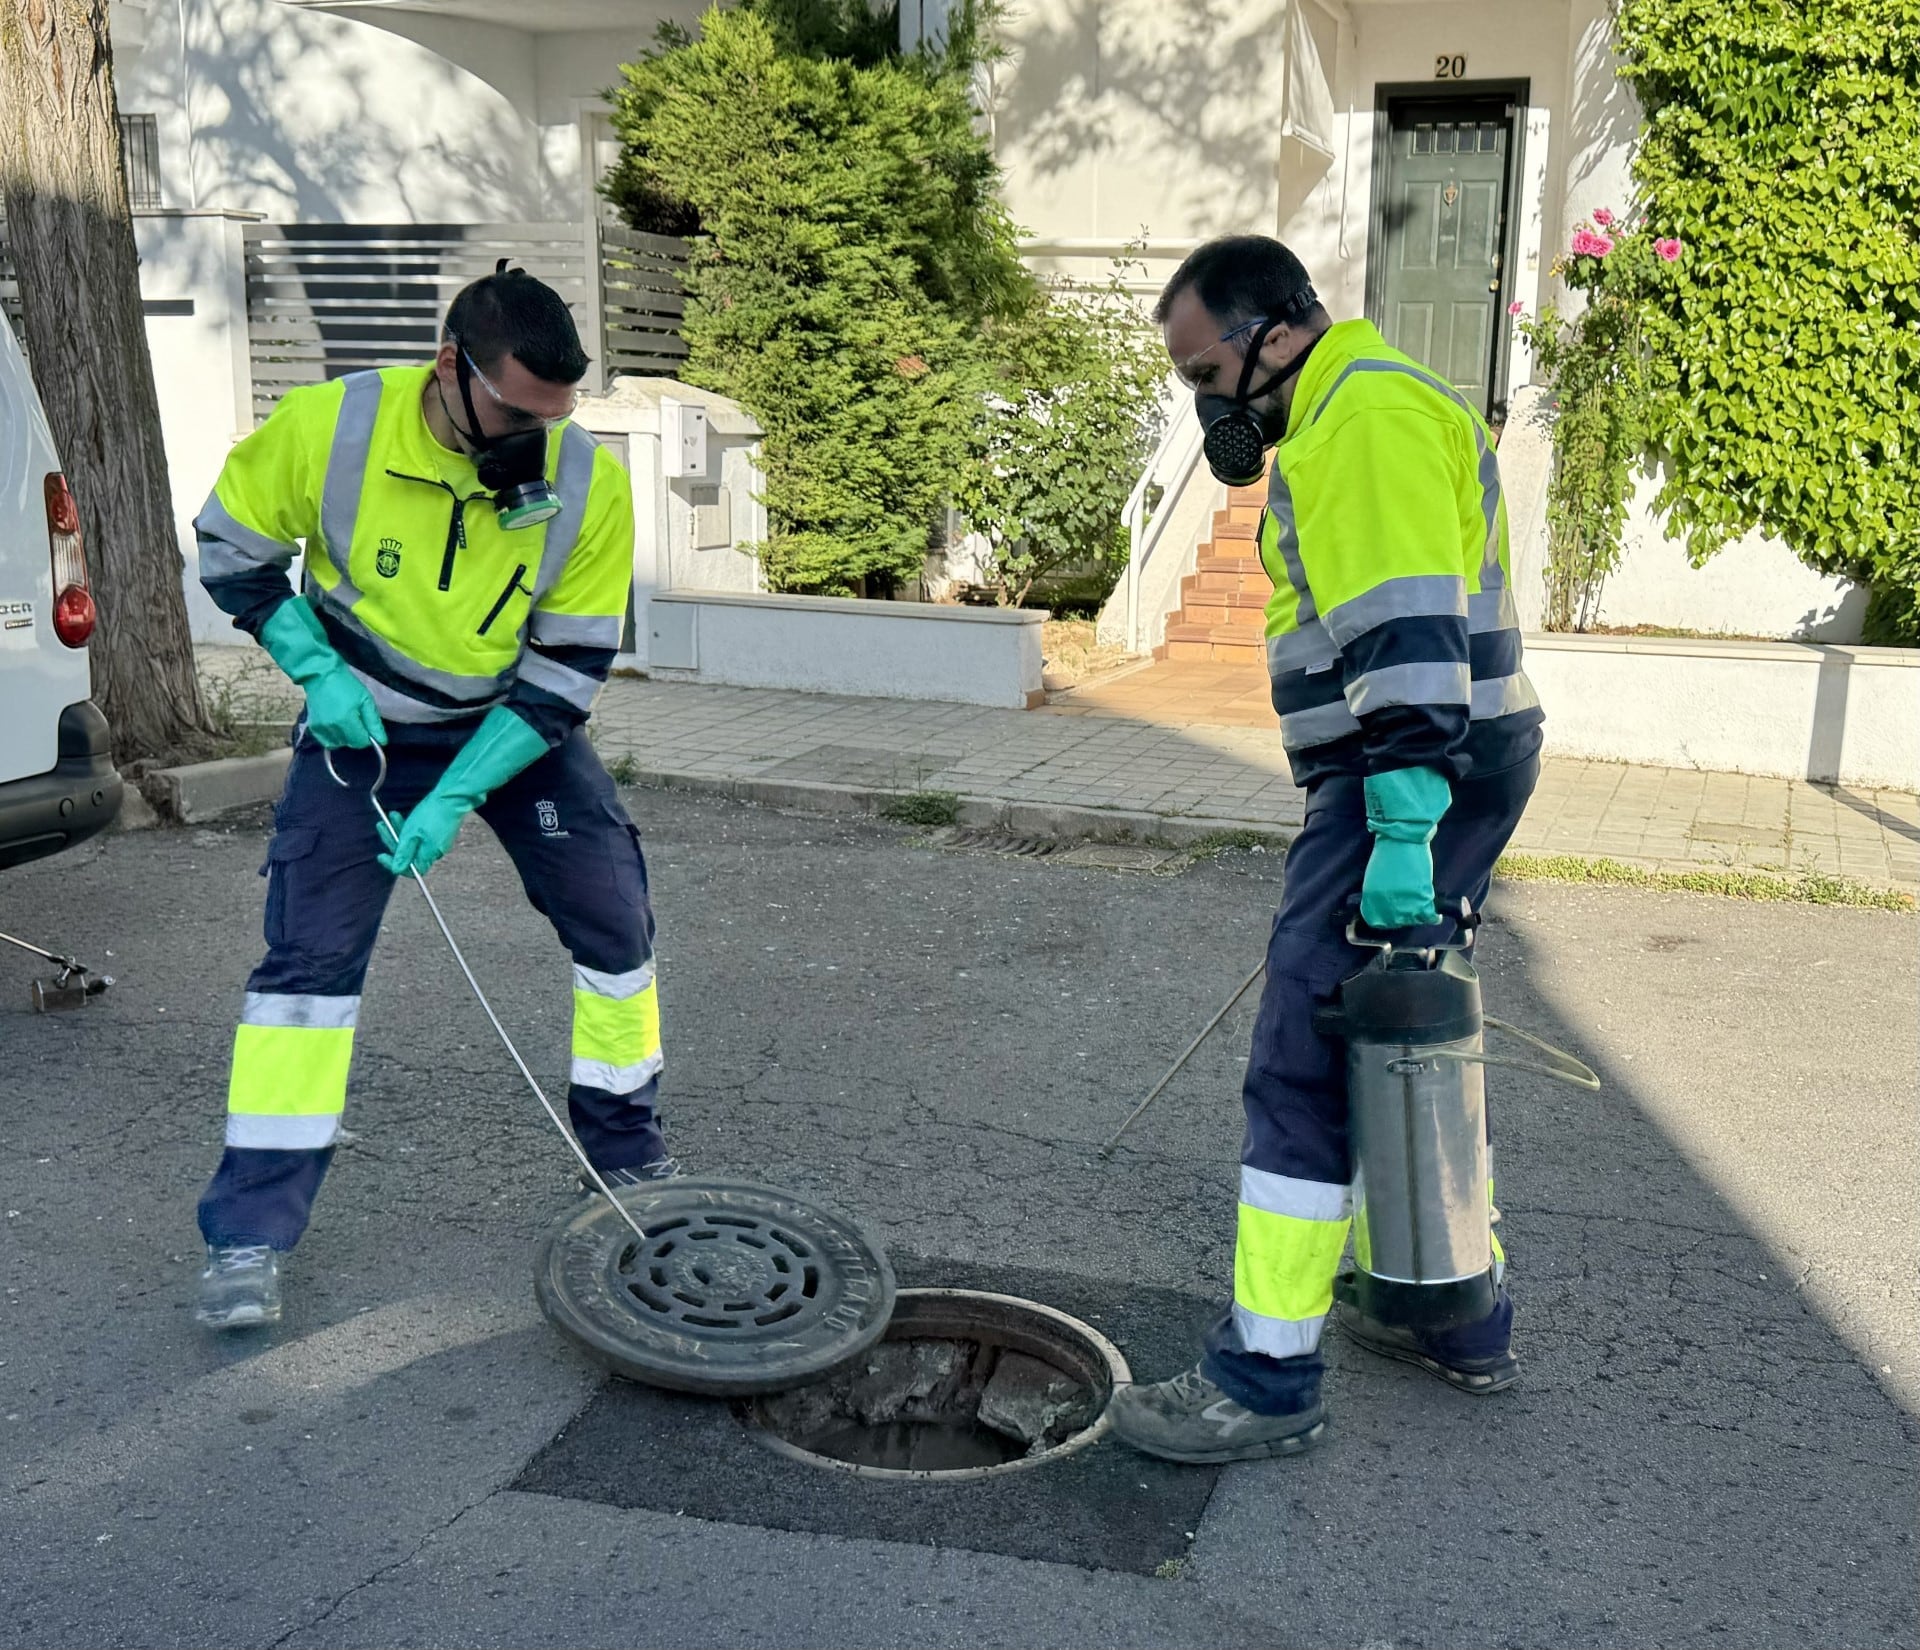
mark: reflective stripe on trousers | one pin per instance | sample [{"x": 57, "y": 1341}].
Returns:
[
  {"x": 1293, "y": 1218},
  {"x": 1291, "y": 1233},
  {"x": 616, "y": 1029},
  {"x": 288, "y": 1084},
  {"x": 579, "y": 860}
]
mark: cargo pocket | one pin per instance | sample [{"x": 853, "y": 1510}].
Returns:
[
  {"x": 284, "y": 853},
  {"x": 628, "y": 872}
]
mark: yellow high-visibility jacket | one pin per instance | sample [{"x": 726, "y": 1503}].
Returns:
[
  {"x": 441, "y": 612},
  {"x": 1392, "y": 636}
]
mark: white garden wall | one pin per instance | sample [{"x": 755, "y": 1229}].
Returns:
[
  {"x": 1841, "y": 715},
  {"x": 821, "y": 644}
]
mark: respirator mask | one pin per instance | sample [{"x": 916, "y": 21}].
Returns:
[
  {"x": 513, "y": 466},
  {"x": 1238, "y": 434}
]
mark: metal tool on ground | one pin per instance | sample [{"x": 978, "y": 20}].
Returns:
[
  {"x": 1417, "y": 1118},
  {"x": 733, "y": 1290},
  {"x": 73, "y": 987},
  {"x": 1206, "y": 1031},
  {"x": 540, "y": 1094}
]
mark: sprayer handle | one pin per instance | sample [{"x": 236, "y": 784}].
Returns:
[{"x": 1465, "y": 921}]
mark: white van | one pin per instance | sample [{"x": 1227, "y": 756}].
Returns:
[{"x": 57, "y": 781}]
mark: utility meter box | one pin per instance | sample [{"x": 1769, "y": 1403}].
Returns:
[{"x": 683, "y": 439}]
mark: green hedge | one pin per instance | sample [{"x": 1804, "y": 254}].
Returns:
[{"x": 1782, "y": 147}]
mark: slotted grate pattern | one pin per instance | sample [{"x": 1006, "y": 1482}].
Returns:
[{"x": 722, "y": 1272}]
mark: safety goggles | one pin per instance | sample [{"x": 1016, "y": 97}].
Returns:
[
  {"x": 1185, "y": 368},
  {"x": 518, "y": 416}
]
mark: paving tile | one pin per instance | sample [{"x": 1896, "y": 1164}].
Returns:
[{"x": 1198, "y": 739}]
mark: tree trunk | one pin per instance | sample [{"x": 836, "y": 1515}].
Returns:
[{"x": 70, "y": 234}]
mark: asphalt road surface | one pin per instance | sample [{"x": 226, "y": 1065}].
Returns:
[{"x": 1713, "y": 1441}]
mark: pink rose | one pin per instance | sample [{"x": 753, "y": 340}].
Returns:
[
  {"x": 1515, "y": 307},
  {"x": 1669, "y": 250},
  {"x": 1602, "y": 216},
  {"x": 1588, "y": 245}
]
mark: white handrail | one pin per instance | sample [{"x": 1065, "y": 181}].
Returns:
[{"x": 1171, "y": 465}]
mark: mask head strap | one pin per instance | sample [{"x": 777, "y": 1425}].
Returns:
[{"x": 463, "y": 372}]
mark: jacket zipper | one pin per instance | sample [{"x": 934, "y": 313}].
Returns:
[
  {"x": 456, "y": 522},
  {"x": 506, "y": 596},
  {"x": 456, "y": 539}
]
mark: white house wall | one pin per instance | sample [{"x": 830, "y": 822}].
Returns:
[
  {"x": 1525, "y": 40},
  {"x": 393, "y": 116},
  {"x": 199, "y": 370},
  {"x": 1756, "y": 586},
  {"x": 1124, "y": 119},
  {"x": 1110, "y": 118},
  {"x": 572, "y": 73}
]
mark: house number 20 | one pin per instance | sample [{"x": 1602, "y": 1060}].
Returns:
[{"x": 1450, "y": 68}]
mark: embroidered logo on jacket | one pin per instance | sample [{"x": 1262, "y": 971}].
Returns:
[{"x": 386, "y": 560}]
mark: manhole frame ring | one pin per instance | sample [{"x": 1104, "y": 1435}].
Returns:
[{"x": 1117, "y": 1369}]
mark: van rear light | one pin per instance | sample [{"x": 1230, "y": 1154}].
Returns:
[
  {"x": 73, "y": 610},
  {"x": 74, "y": 616}
]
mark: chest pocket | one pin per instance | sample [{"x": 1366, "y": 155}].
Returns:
[
  {"x": 460, "y": 610},
  {"x": 514, "y": 586}
]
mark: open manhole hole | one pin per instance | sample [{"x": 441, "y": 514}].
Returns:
[
  {"x": 965, "y": 1384},
  {"x": 644, "y": 1449}
]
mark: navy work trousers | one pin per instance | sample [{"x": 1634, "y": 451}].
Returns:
[
  {"x": 1296, "y": 1171},
  {"x": 579, "y": 859}
]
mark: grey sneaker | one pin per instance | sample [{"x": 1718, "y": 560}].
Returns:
[
  {"x": 1190, "y": 1419},
  {"x": 1482, "y": 1377},
  {"x": 240, "y": 1287},
  {"x": 643, "y": 1174}
]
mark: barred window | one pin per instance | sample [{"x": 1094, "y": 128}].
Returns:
[{"x": 140, "y": 151}]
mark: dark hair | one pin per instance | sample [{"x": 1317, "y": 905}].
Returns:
[
  {"x": 1242, "y": 277},
  {"x": 511, "y": 313}
]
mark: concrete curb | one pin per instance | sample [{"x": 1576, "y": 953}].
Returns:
[
  {"x": 1073, "y": 823},
  {"x": 201, "y": 791},
  {"x": 985, "y": 812}
]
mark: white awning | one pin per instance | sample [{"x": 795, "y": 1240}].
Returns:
[{"x": 1307, "y": 116}]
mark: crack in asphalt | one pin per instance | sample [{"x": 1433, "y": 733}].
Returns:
[{"x": 385, "y": 1570}]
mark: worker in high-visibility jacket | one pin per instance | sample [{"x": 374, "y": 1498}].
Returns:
[
  {"x": 468, "y": 558},
  {"x": 1394, "y": 651}
]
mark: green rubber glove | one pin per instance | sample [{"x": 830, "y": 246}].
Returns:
[
  {"x": 1403, "y": 812},
  {"x": 500, "y": 748},
  {"x": 340, "y": 710}
]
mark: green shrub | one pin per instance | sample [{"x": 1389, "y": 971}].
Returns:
[
  {"x": 1598, "y": 367},
  {"x": 850, "y": 249},
  {"x": 1073, "y": 415},
  {"x": 855, "y": 284}
]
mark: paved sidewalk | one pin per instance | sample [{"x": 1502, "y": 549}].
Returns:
[
  {"x": 1082, "y": 754},
  {"x": 1662, "y": 818}
]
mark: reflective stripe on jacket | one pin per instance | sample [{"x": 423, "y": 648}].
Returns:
[
  {"x": 1392, "y": 636},
  {"x": 437, "y": 608}
]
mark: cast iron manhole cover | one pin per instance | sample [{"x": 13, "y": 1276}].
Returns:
[{"x": 738, "y": 1289}]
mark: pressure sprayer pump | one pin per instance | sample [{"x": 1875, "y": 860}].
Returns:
[{"x": 1417, "y": 1123}]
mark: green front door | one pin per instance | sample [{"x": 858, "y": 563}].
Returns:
[{"x": 1444, "y": 237}]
